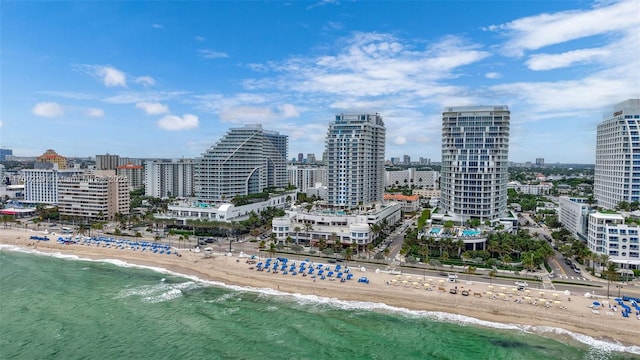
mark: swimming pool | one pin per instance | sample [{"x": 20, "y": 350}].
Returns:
[
  {"x": 435, "y": 230},
  {"x": 470, "y": 232}
]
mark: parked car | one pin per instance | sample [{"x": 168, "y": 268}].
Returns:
[{"x": 578, "y": 271}]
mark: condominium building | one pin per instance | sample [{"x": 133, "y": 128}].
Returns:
[
  {"x": 133, "y": 173},
  {"x": 41, "y": 185},
  {"x": 609, "y": 235},
  {"x": 107, "y": 162},
  {"x": 423, "y": 179},
  {"x": 475, "y": 151},
  {"x": 355, "y": 148},
  {"x": 617, "y": 170},
  {"x": 306, "y": 177},
  {"x": 574, "y": 213},
  {"x": 95, "y": 196},
  {"x": 163, "y": 179},
  {"x": 245, "y": 161}
]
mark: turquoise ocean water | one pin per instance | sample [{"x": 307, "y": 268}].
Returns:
[{"x": 61, "y": 308}]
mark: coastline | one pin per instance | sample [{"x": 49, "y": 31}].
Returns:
[{"x": 553, "y": 322}]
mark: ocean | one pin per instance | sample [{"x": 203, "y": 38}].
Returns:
[{"x": 61, "y": 307}]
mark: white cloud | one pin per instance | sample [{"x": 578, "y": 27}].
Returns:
[
  {"x": 372, "y": 65},
  {"x": 1, "y": 123},
  {"x": 210, "y": 54},
  {"x": 177, "y": 123},
  {"x": 153, "y": 108},
  {"x": 200, "y": 38},
  {"x": 246, "y": 114},
  {"x": 132, "y": 97},
  {"x": 109, "y": 75},
  {"x": 157, "y": 26},
  {"x": 145, "y": 80},
  {"x": 535, "y": 32},
  {"x": 493, "y": 75},
  {"x": 400, "y": 140},
  {"x": 48, "y": 109},
  {"x": 555, "y": 61},
  {"x": 95, "y": 112}
]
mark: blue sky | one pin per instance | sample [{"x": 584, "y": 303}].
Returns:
[{"x": 168, "y": 79}]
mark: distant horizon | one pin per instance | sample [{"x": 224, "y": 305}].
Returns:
[
  {"x": 163, "y": 80},
  {"x": 290, "y": 160}
]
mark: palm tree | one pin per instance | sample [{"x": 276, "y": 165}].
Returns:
[
  {"x": 493, "y": 273},
  {"x": 297, "y": 231},
  {"x": 307, "y": 228},
  {"x": 272, "y": 249},
  {"x": 612, "y": 275}
]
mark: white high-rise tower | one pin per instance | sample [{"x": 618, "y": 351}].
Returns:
[
  {"x": 617, "y": 171},
  {"x": 475, "y": 152},
  {"x": 354, "y": 151}
]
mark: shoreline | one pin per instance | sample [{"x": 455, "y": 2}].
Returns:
[{"x": 612, "y": 331}]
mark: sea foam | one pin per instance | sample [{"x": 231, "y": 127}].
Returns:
[{"x": 304, "y": 299}]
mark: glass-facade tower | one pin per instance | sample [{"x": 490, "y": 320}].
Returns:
[
  {"x": 475, "y": 152},
  {"x": 617, "y": 170}
]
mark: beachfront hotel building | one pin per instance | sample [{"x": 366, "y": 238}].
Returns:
[
  {"x": 164, "y": 179},
  {"x": 348, "y": 227},
  {"x": 41, "y": 185},
  {"x": 609, "y": 235},
  {"x": 475, "y": 152},
  {"x": 94, "y": 196},
  {"x": 190, "y": 209},
  {"x": 306, "y": 177},
  {"x": 245, "y": 161},
  {"x": 617, "y": 170},
  {"x": 355, "y": 150}
]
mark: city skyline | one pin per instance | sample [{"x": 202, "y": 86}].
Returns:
[{"x": 168, "y": 80}]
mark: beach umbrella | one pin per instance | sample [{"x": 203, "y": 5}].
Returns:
[
  {"x": 440, "y": 281},
  {"x": 514, "y": 289},
  {"x": 556, "y": 295},
  {"x": 542, "y": 299},
  {"x": 426, "y": 285},
  {"x": 527, "y": 297},
  {"x": 557, "y": 302},
  {"x": 490, "y": 286},
  {"x": 567, "y": 292},
  {"x": 398, "y": 276},
  {"x": 430, "y": 280},
  {"x": 527, "y": 291},
  {"x": 488, "y": 292}
]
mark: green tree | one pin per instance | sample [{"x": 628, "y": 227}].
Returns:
[{"x": 612, "y": 275}]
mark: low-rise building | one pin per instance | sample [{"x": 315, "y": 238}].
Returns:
[
  {"x": 224, "y": 212},
  {"x": 410, "y": 203},
  {"x": 609, "y": 235},
  {"x": 331, "y": 226}
]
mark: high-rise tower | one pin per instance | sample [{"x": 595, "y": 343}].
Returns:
[
  {"x": 617, "y": 171},
  {"x": 475, "y": 152},
  {"x": 245, "y": 161},
  {"x": 354, "y": 151}
]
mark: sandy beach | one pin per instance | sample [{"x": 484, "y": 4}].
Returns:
[{"x": 484, "y": 301}]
